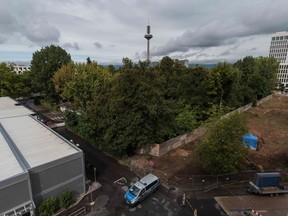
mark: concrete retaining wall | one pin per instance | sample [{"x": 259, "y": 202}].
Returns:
[{"x": 161, "y": 149}]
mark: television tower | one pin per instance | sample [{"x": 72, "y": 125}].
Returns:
[{"x": 148, "y": 36}]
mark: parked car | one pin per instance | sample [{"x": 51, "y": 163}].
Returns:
[{"x": 142, "y": 189}]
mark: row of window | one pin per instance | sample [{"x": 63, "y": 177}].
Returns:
[
  {"x": 278, "y": 55},
  {"x": 282, "y": 75},
  {"x": 283, "y": 80},
  {"x": 283, "y": 67},
  {"x": 279, "y": 38},
  {"x": 279, "y": 49},
  {"x": 279, "y": 42}
]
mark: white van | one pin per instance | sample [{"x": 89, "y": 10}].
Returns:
[{"x": 141, "y": 189}]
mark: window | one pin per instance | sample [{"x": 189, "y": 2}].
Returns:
[
  {"x": 152, "y": 184},
  {"x": 134, "y": 190}
]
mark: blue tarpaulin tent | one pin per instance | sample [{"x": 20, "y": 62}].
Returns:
[{"x": 250, "y": 140}]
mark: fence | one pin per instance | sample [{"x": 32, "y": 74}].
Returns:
[
  {"x": 201, "y": 183},
  {"x": 81, "y": 211}
]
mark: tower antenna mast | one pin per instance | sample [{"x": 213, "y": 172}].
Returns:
[{"x": 148, "y": 36}]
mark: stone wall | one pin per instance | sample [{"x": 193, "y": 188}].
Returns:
[{"x": 163, "y": 148}]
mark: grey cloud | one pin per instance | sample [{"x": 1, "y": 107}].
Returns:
[
  {"x": 141, "y": 55},
  {"x": 41, "y": 32},
  {"x": 97, "y": 45},
  {"x": 254, "y": 48},
  {"x": 227, "y": 29},
  {"x": 73, "y": 46},
  {"x": 226, "y": 53},
  {"x": 229, "y": 51},
  {"x": 207, "y": 36},
  {"x": 26, "y": 20}
]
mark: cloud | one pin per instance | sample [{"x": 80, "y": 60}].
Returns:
[
  {"x": 27, "y": 21},
  {"x": 197, "y": 30},
  {"x": 228, "y": 29},
  {"x": 97, "y": 45},
  {"x": 73, "y": 46},
  {"x": 40, "y": 32}
]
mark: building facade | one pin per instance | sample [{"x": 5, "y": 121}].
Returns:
[
  {"x": 36, "y": 163},
  {"x": 279, "y": 50},
  {"x": 19, "y": 69}
]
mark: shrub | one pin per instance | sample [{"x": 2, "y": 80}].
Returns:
[
  {"x": 65, "y": 199},
  {"x": 47, "y": 207}
]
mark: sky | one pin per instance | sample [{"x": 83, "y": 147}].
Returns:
[{"x": 202, "y": 31}]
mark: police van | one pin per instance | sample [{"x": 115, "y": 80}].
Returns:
[{"x": 141, "y": 189}]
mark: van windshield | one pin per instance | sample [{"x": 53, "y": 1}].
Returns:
[{"x": 134, "y": 190}]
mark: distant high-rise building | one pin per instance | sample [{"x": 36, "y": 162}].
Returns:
[
  {"x": 148, "y": 36},
  {"x": 279, "y": 50}
]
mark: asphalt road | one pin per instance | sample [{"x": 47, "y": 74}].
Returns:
[{"x": 109, "y": 199}]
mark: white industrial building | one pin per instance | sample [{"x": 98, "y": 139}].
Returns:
[
  {"x": 279, "y": 50},
  {"x": 36, "y": 163}
]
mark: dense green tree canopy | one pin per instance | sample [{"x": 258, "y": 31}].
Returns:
[
  {"x": 13, "y": 85},
  {"x": 131, "y": 113},
  {"x": 43, "y": 66},
  {"x": 257, "y": 77},
  {"x": 78, "y": 82},
  {"x": 137, "y": 105}
]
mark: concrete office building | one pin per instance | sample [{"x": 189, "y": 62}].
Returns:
[
  {"x": 36, "y": 163},
  {"x": 19, "y": 69},
  {"x": 279, "y": 50}
]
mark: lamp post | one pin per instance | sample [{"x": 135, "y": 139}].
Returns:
[{"x": 94, "y": 174}]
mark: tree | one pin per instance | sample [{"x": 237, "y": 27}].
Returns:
[
  {"x": 221, "y": 150},
  {"x": 221, "y": 81},
  {"x": 47, "y": 207},
  {"x": 258, "y": 78},
  {"x": 62, "y": 77},
  {"x": 43, "y": 66},
  {"x": 13, "y": 85},
  {"x": 194, "y": 88},
  {"x": 65, "y": 199},
  {"x": 127, "y": 63},
  {"x": 78, "y": 82},
  {"x": 88, "y": 60},
  {"x": 6, "y": 80},
  {"x": 186, "y": 119},
  {"x": 129, "y": 113}
]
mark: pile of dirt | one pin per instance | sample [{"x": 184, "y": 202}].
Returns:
[{"x": 267, "y": 121}]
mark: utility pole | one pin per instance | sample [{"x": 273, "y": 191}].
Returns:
[{"x": 94, "y": 174}]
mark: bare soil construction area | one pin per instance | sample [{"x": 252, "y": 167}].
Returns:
[{"x": 268, "y": 121}]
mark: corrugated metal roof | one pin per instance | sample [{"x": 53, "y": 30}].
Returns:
[
  {"x": 25, "y": 142},
  {"x": 9, "y": 165},
  {"x": 9, "y": 109},
  {"x": 37, "y": 143}
]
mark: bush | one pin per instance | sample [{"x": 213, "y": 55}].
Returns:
[
  {"x": 47, "y": 207},
  {"x": 65, "y": 199}
]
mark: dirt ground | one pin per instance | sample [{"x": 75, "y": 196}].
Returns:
[{"x": 268, "y": 121}]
